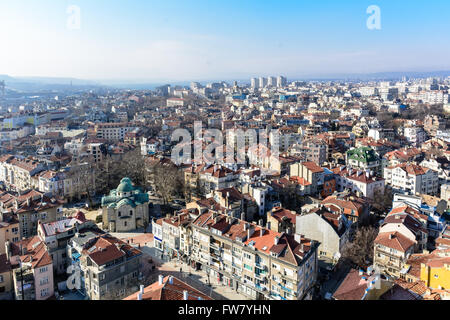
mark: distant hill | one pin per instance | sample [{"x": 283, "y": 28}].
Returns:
[{"x": 33, "y": 84}]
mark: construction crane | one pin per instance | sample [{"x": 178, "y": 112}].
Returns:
[{"x": 2, "y": 87}]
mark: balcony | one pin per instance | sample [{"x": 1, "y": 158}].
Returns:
[
  {"x": 260, "y": 276},
  {"x": 260, "y": 266},
  {"x": 260, "y": 288},
  {"x": 285, "y": 288}
]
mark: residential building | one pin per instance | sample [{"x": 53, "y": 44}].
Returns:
[
  {"x": 110, "y": 268},
  {"x": 413, "y": 179},
  {"x": 56, "y": 236},
  {"x": 6, "y": 279},
  {"x": 257, "y": 262},
  {"x": 362, "y": 183},
  {"x": 9, "y": 230},
  {"x": 391, "y": 252},
  {"x": 29, "y": 208},
  {"x": 329, "y": 229},
  {"x": 32, "y": 269},
  {"x": 430, "y": 268},
  {"x": 112, "y": 131},
  {"x": 17, "y": 173},
  {"x": 281, "y": 220},
  {"x": 364, "y": 159},
  {"x": 415, "y": 135},
  {"x": 311, "y": 173},
  {"x": 355, "y": 209}
]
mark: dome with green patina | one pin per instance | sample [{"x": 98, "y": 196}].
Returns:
[{"x": 125, "y": 185}]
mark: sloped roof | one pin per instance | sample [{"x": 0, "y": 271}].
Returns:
[
  {"x": 394, "y": 240},
  {"x": 169, "y": 291}
]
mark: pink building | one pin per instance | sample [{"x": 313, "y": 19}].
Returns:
[{"x": 32, "y": 269}]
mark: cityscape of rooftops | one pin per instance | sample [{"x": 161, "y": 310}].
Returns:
[{"x": 226, "y": 151}]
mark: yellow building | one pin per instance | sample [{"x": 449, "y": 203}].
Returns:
[
  {"x": 9, "y": 231},
  {"x": 435, "y": 272},
  {"x": 6, "y": 283}
]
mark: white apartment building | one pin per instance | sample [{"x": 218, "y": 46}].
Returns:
[
  {"x": 365, "y": 183},
  {"x": 262, "y": 82},
  {"x": 415, "y": 135},
  {"x": 272, "y": 81},
  {"x": 17, "y": 174},
  {"x": 175, "y": 102},
  {"x": 112, "y": 131},
  {"x": 368, "y": 91},
  {"x": 13, "y": 134},
  {"x": 411, "y": 178},
  {"x": 281, "y": 82}
]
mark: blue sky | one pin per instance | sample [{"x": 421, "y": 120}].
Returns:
[{"x": 180, "y": 40}]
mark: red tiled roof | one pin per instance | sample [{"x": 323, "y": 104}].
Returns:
[
  {"x": 353, "y": 287},
  {"x": 394, "y": 240},
  {"x": 169, "y": 291}
]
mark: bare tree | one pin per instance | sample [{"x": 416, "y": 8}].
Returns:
[
  {"x": 132, "y": 166},
  {"x": 82, "y": 179},
  {"x": 168, "y": 181},
  {"x": 360, "y": 250}
]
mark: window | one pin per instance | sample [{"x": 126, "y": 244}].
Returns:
[
  {"x": 43, "y": 269},
  {"x": 1, "y": 279},
  {"x": 44, "y": 292}
]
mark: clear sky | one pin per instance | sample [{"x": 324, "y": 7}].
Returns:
[{"x": 182, "y": 40}]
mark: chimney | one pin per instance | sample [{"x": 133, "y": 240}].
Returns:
[
  {"x": 170, "y": 280},
  {"x": 261, "y": 222},
  {"x": 185, "y": 295},
  {"x": 161, "y": 279},
  {"x": 262, "y": 232},
  {"x": 243, "y": 216},
  {"x": 276, "y": 240},
  {"x": 245, "y": 226},
  {"x": 249, "y": 234},
  {"x": 391, "y": 236},
  {"x": 139, "y": 296},
  {"x": 8, "y": 250},
  {"x": 142, "y": 288}
]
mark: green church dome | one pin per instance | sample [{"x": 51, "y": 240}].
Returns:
[{"x": 125, "y": 185}]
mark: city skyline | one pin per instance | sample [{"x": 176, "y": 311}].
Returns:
[{"x": 160, "y": 42}]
